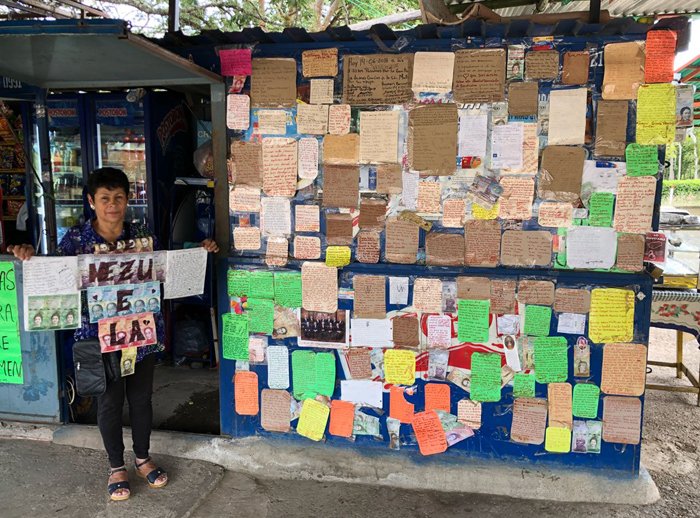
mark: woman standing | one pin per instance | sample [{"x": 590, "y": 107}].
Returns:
[{"x": 108, "y": 194}]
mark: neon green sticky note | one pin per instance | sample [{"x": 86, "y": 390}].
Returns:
[
  {"x": 473, "y": 320},
  {"x": 551, "y": 359},
  {"x": 8, "y": 299},
  {"x": 642, "y": 160},
  {"x": 288, "y": 289},
  {"x": 600, "y": 209},
  {"x": 586, "y": 397},
  {"x": 557, "y": 440},
  {"x": 12, "y": 371},
  {"x": 523, "y": 385},
  {"x": 537, "y": 320},
  {"x": 235, "y": 336},
  {"x": 304, "y": 374},
  {"x": 262, "y": 285},
  {"x": 261, "y": 315},
  {"x": 238, "y": 282},
  {"x": 325, "y": 374},
  {"x": 486, "y": 377}
]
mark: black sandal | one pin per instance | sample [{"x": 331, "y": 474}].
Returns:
[
  {"x": 153, "y": 475},
  {"x": 115, "y": 486}
]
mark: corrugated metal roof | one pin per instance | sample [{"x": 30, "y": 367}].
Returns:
[{"x": 616, "y": 8}]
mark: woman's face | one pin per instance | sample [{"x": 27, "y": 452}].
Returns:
[
  {"x": 110, "y": 204},
  {"x": 54, "y": 320}
]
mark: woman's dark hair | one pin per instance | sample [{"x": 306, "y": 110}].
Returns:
[{"x": 108, "y": 177}]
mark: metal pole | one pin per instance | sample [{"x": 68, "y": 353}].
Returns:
[
  {"x": 219, "y": 145},
  {"x": 42, "y": 122},
  {"x": 173, "y": 15},
  {"x": 594, "y": 11}
]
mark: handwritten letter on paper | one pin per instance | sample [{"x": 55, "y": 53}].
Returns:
[{"x": 479, "y": 75}]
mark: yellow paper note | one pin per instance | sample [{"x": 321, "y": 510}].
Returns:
[
  {"x": 656, "y": 114},
  {"x": 612, "y": 315},
  {"x": 399, "y": 367},
  {"x": 480, "y": 212},
  {"x": 557, "y": 440},
  {"x": 337, "y": 256},
  {"x": 313, "y": 419}
]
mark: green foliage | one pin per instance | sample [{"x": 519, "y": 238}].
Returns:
[
  {"x": 681, "y": 188},
  {"x": 688, "y": 151}
]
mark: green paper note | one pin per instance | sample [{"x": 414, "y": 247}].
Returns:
[
  {"x": 325, "y": 374},
  {"x": 11, "y": 371},
  {"x": 235, "y": 336},
  {"x": 473, "y": 320},
  {"x": 642, "y": 160},
  {"x": 262, "y": 285},
  {"x": 586, "y": 396},
  {"x": 288, "y": 289},
  {"x": 537, "y": 320},
  {"x": 600, "y": 209},
  {"x": 304, "y": 374},
  {"x": 8, "y": 304},
  {"x": 238, "y": 282},
  {"x": 486, "y": 377},
  {"x": 261, "y": 316},
  {"x": 523, "y": 385},
  {"x": 551, "y": 359}
]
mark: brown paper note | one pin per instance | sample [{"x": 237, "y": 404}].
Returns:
[
  {"x": 516, "y": 199},
  {"x": 306, "y": 218},
  {"x": 624, "y": 369},
  {"x": 560, "y": 405},
  {"x": 401, "y": 241},
  {"x": 523, "y": 98},
  {"x": 479, "y": 75},
  {"x": 453, "y": 213},
  {"x": 377, "y": 79},
  {"x": 624, "y": 70},
  {"x": 246, "y": 238},
  {"x": 341, "y": 149},
  {"x": 368, "y": 246},
  {"x": 622, "y": 419},
  {"x": 432, "y": 138},
  {"x": 611, "y": 128},
  {"x": 427, "y": 295},
  {"x": 273, "y": 82},
  {"x": 542, "y": 64},
  {"x": 634, "y": 205},
  {"x": 502, "y": 296},
  {"x": 312, "y": 119},
  {"x": 372, "y": 213},
  {"x": 307, "y": 247},
  {"x": 370, "y": 296},
  {"x": 275, "y": 410},
  {"x": 319, "y": 287},
  {"x": 389, "y": 179},
  {"x": 442, "y": 249},
  {"x": 630, "y": 252},
  {"x": 341, "y": 186},
  {"x": 244, "y": 199},
  {"x": 529, "y": 420},
  {"x": 473, "y": 288},
  {"x": 279, "y": 166},
  {"x": 406, "y": 331},
  {"x": 526, "y": 248},
  {"x": 540, "y": 293},
  {"x": 320, "y": 62},
  {"x": 575, "y": 69},
  {"x": 429, "y": 194},
  {"x": 561, "y": 172},
  {"x": 247, "y": 163},
  {"x": 339, "y": 229},
  {"x": 359, "y": 362},
  {"x": 569, "y": 300},
  {"x": 482, "y": 243},
  {"x": 339, "y": 119}
]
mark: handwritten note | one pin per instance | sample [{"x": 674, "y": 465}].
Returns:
[
  {"x": 656, "y": 114},
  {"x": 612, "y": 315},
  {"x": 238, "y": 282},
  {"x": 611, "y": 128},
  {"x": 486, "y": 377},
  {"x": 377, "y": 79},
  {"x": 429, "y": 433},
  {"x": 526, "y": 248},
  {"x": 370, "y": 296},
  {"x": 319, "y": 286},
  {"x": 567, "y": 116},
  {"x": 551, "y": 359},
  {"x": 536, "y": 292},
  {"x": 660, "y": 51},
  {"x": 245, "y": 396},
  {"x": 399, "y": 408},
  {"x": 313, "y": 419},
  {"x": 379, "y": 136},
  {"x": 557, "y": 439},
  {"x": 312, "y": 119},
  {"x": 342, "y": 417},
  {"x": 537, "y": 320},
  {"x": 634, "y": 207},
  {"x": 235, "y": 62},
  {"x": 288, "y": 289},
  {"x": 427, "y": 295},
  {"x": 624, "y": 369},
  {"x": 586, "y": 396},
  {"x": 542, "y": 64},
  {"x": 339, "y": 119},
  {"x": 516, "y": 198},
  {"x": 523, "y": 385},
  {"x": 400, "y": 367},
  {"x": 559, "y": 401},
  {"x": 502, "y": 296},
  {"x": 473, "y": 321},
  {"x": 555, "y": 214},
  {"x": 368, "y": 246},
  {"x": 482, "y": 243},
  {"x": 273, "y": 82},
  {"x": 642, "y": 160},
  {"x": 279, "y": 166},
  {"x": 237, "y": 112},
  {"x": 235, "y": 336},
  {"x": 307, "y": 247},
  {"x": 623, "y": 419},
  {"x": 569, "y": 300},
  {"x": 432, "y": 72},
  {"x": 320, "y": 62},
  {"x": 401, "y": 241},
  {"x": 591, "y": 247},
  {"x": 321, "y": 91},
  {"x": 529, "y": 421},
  {"x": 275, "y": 410},
  {"x": 469, "y": 413},
  {"x": 479, "y": 75},
  {"x": 432, "y": 138},
  {"x": 437, "y": 396},
  {"x": 624, "y": 69},
  {"x": 278, "y": 367}
]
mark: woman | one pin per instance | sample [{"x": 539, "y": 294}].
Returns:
[{"x": 108, "y": 193}]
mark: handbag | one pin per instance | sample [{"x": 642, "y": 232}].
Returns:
[{"x": 93, "y": 370}]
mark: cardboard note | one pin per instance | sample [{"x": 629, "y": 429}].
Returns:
[
  {"x": 443, "y": 249},
  {"x": 341, "y": 186},
  {"x": 377, "y": 79},
  {"x": 319, "y": 287},
  {"x": 246, "y": 238},
  {"x": 660, "y": 50},
  {"x": 235, "y": 62},
  {"x": 401, "y": 241},
  {"x": 370, "y": 296},
  {"x": 591, "y": 247},
  {"x": 516, "y": 199},
  {"x": 399, "y": 367},
  {"x": 312, "y": 119},
  {"x": 555, "y": 214},
  {"x": 612, "y": 315},
  {"x": 244, "y": 199},
  {"x": 623, "y": 419},
  {"x": 237, "y": 112},
  {"x": 656, "y": 114},
  {"x": 559, "y": 401},
  {"x": 279, "y": 166},
  {"x": 339, "y": 229},
  {"x": 338, "y": 256},
  {"x": 389, "y": 180},
  {"x": 288, "y": 289},
  {"x": 575, "y": 68},
  {"x": 368, "y": 247},
  {"x": 339, "y": 119},
  {"x": 321, "y": 91},
  {"x": 278, "y": 367},
  {"x": 474, "y": 288},
  {"x": 473, "y": 321},
  {"x": 379, "y": 136},
  {"x": 453, "y": 213},
  {"x": 342, "y": 417},
  {"x": 406, "y": 332},
  {"x": 503, "y": 296},
  {"x": 482, "y": 243},
  {"x": 569, "y": 300},
  {"x": 273, "y": 82},
  {"x": 529, "y": 421},
  {"x": 307, "y": 247},
  {"x": 522, "y": 98},
  {"x": 523, "y": 385},
  {"x": 306, "y": 218},
  {"x": 537, "y": 320},
  {"x": 536, "y": 292},
  {"x": 274, "y": 410},
  {"x": 542, "y": 64},
  {"x": 427, "y": 295},
  {"x": 341, "y": 149},
  {"x": 399, "y": 408},
  {"x": 235, "y": 336},
  {"x": 469, "y": 413},
  {"x": 372, "y": 213},
  {"x": 437, "y": 396},
  {"x": 624, "y": 70},
  {"x": 271, "y": 122},
  {"x": 642, "y": 160},
  {"x": 320, "y": 62},
  {"x": 567, "y": 116},
  {"x": 432, "y": 72},
  {"x": 634, "y": 206},
  {"x": 624, "y": 369},
  {"x": 359, "y": 362},
  {"x": 630, "y": 252},
  {"x": 557, "y": 439},
  {"x": 245, "y": 395},
  {"x": 313, "y": 419},
  {"x": 611, "y": 128},
  {"x": 432, "y": 138},
  {"x": 526, "y": 248},
  {"x": 551, "y": 359},
  {"x": 429, "y": 433},
  {"x": 247, "y": 163},
  {"x": 586, "y": 396},
  {"x": 561, "y": 173},
  {"x": 479, "y": 75},
  {"x": 429, "y": 197},
  {"x": 486, "y": 377}
]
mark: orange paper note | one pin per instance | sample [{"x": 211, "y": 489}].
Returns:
[
  {"x": 660, "y": 52},
  {"x": 342, "y": 417},
  {"x": 429, "y": 433},
  {"x": 437, "y": 396},
  {"x": 399, "y": 408},
  {"x": 246, "y": 393}
]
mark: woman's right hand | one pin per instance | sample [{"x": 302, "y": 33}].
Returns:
[{"x": 22, "y": 252}]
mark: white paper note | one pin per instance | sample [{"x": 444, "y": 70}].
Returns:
[
  {"x": 473, "y": 131},
  {"x": 507, "y": 146},
  {"x": 591, "y": 247},
  {"x": 278, "y": 367},
  {"x": 185, "y": 272},
  {"x": 370, "y": 332},
  {"x": 275, "y": 218},
  {"x": 362, "y": 392},
  {"x": 398, "y": 290},
  {"x": 50, "y": 276},
  {"x": 567, "y": 116},
  {"x": 571, "y": 324}
]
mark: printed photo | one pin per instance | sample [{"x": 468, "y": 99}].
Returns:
[
  {"x": 324, "y": 329},
  {"x": 52, "y": 312}
]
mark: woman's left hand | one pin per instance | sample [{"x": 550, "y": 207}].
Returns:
[{"x": 210, "y": 246}]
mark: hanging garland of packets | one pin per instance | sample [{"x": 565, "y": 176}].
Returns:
[{"x": 511, "y": 156}]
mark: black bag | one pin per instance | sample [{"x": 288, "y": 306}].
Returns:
[{"x": 93, "y": 370}]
